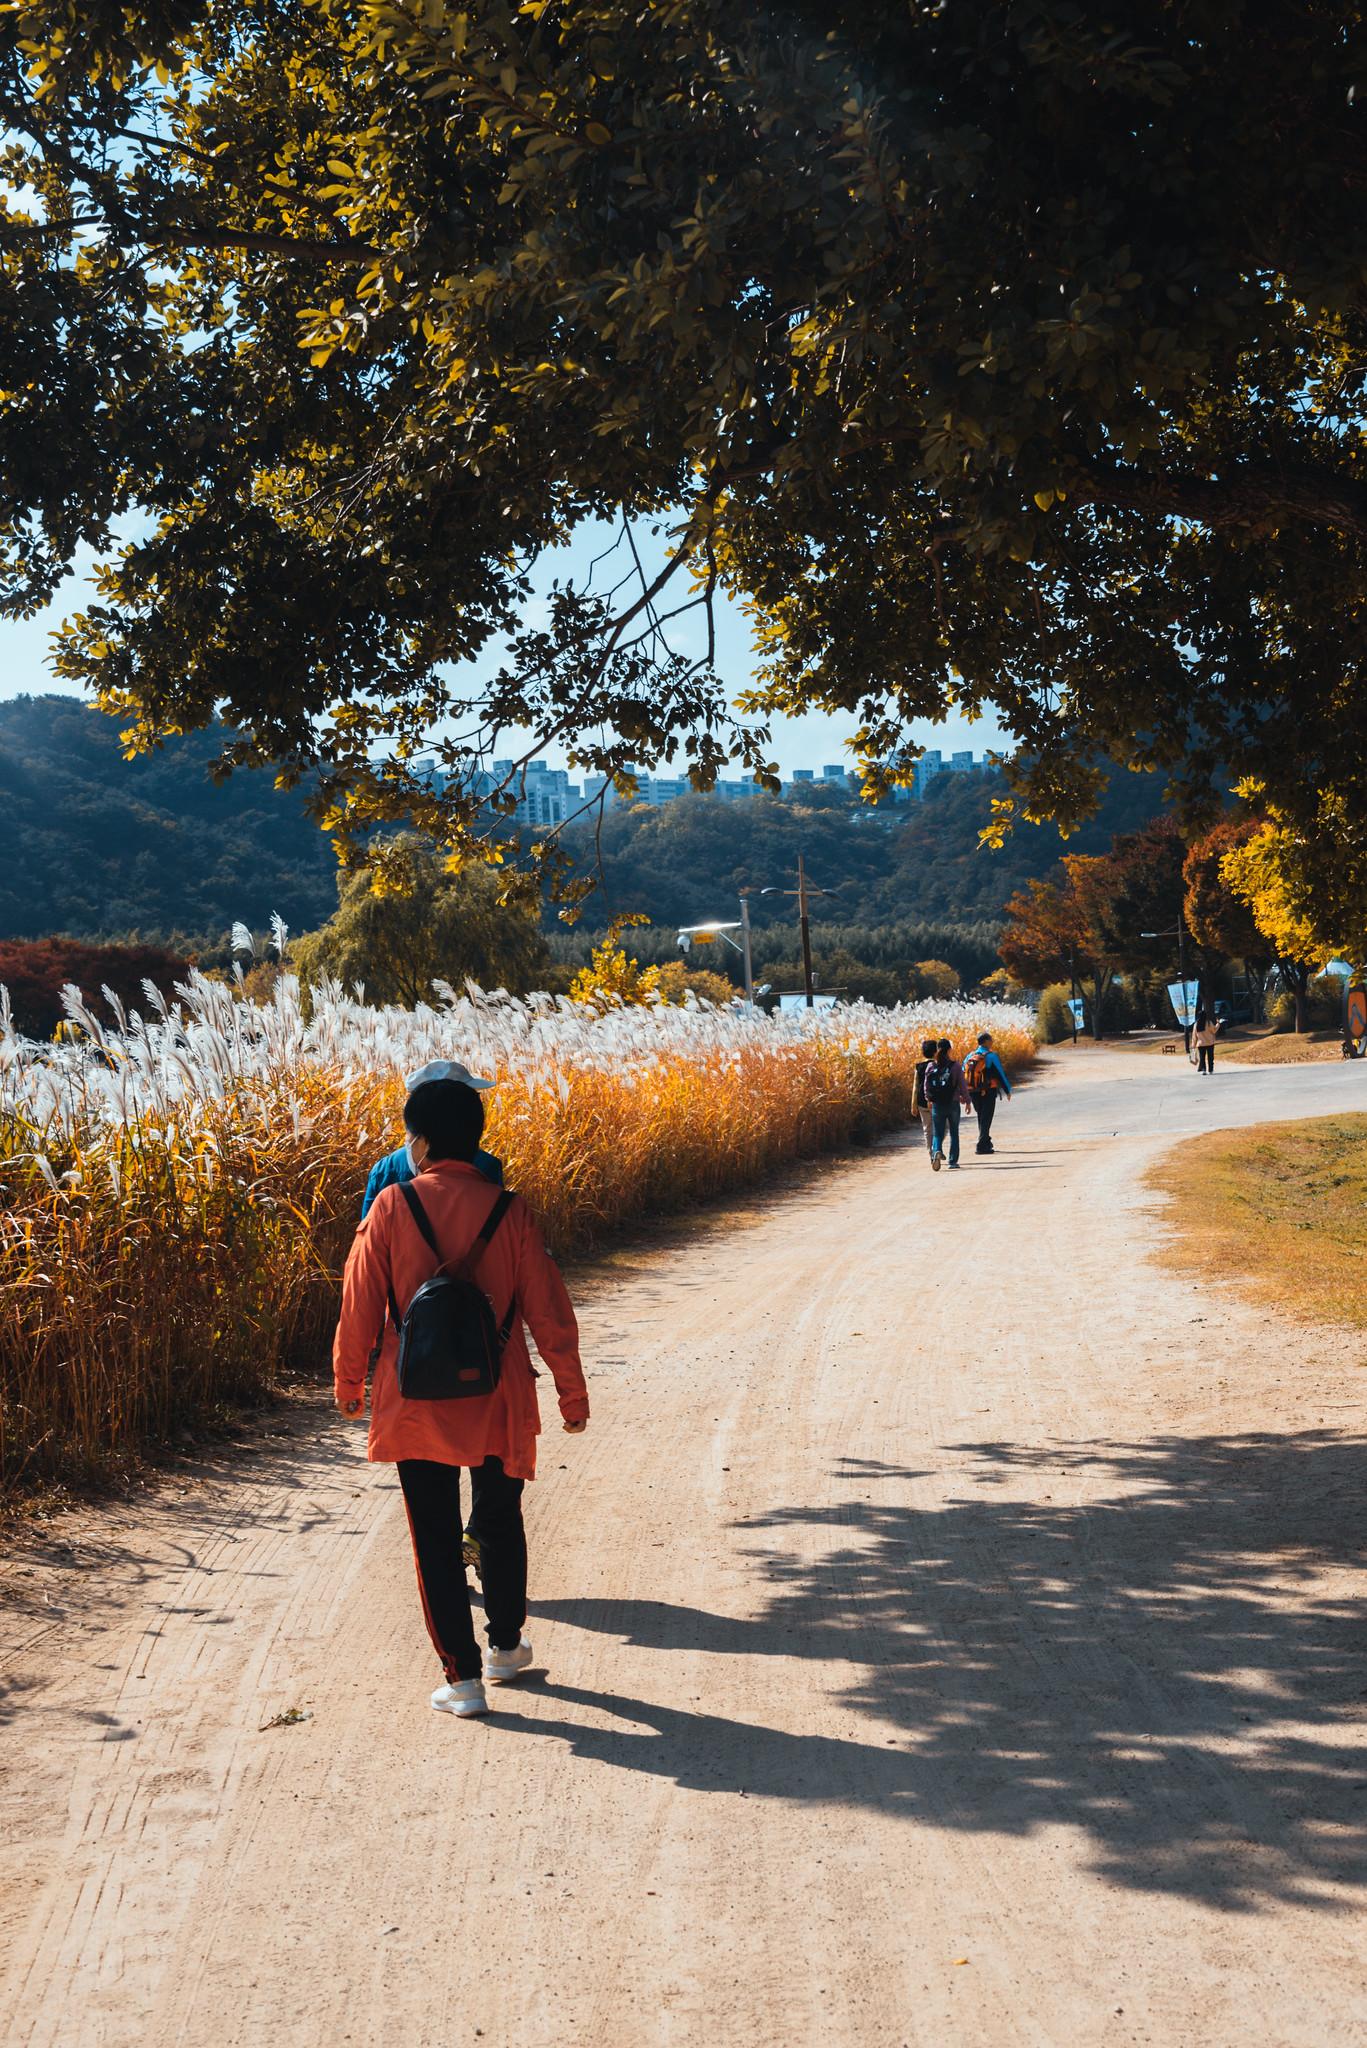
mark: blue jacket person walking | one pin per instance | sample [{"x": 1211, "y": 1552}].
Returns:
[
  {"x": 398, "y": 1165},
  {"x": 986, "y": 1079}
]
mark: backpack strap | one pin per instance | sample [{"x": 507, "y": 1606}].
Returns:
[
  {"x": 419, "y": 1215},
  {"x": 466, "y": 1268}
]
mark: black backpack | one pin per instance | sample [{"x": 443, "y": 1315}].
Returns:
[
  {"x": 450, "y": 1345},
  {"x": 941, "y": 1084}
]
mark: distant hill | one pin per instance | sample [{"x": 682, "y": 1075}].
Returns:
[
  {"x": 915, "y": 863},
  {"x": 98, "y": 847}
]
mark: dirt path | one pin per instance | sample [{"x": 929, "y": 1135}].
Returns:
[{"x": 952, "y": 1635}]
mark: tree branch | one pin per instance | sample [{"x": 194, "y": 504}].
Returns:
[
  {"x": 1247, "y": 495},
  {"x": 254, "y": 244}
]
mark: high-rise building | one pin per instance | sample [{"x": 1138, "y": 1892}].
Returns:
[
  {"x": 546, "y": 796},
  {"x": 961, "y": 763},
  {"x": 928, "y": 767}
]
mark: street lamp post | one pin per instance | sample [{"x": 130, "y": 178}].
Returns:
[
  {"x": 745, "y": 942},
  {"x": 1178, "y": 931}
]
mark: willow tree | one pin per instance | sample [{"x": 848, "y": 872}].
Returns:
[{"x": 1001, "y": 356}]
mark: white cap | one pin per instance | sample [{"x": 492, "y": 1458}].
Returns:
[{"x": 445, "y": 1070}]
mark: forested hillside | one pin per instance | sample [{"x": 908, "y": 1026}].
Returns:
[
  {"x": 915, "y": 863},
  {"x": 99, "y": 847},
  {"x": 96, "y": 846}
]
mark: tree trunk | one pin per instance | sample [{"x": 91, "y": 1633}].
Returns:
[{"x": 1101, "y": 984}]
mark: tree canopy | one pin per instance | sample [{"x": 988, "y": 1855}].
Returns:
[
  {"x": 1261, "y": 869},
  {"x": 1217, "y": 918},
  {"x": 1006, "y": 355},
  {"x": 424, "y": 925}
]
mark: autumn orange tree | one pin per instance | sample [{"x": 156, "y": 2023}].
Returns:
[
  {"x": 1108, "y": 913},
  {"x": 1049, "y": 937}
]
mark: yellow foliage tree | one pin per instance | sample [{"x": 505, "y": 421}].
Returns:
[
  {"x": 677, "y": 982},
  {"x": 612, "y": 976},
  {"x": 1266, "y": 874}
]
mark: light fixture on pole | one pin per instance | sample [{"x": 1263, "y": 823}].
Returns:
[{"x": 704, "y": 933}]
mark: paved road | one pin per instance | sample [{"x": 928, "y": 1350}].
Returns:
[{"x": 951, "y": 1633}]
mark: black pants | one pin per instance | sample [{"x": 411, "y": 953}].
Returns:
[
  {"x": 1205, "y": 1059},
  {"x": 986, "y": 1106},
  {"x": 431, "y": 1494}
]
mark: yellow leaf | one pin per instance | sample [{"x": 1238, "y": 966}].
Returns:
[
  {"x": 598, "y": 134},
  {"x": 1044, "y": 499}
]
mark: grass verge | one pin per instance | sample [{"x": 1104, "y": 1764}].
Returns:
[
  {"x": 1281, "y": 1048},
  {"x": 1280, "y": 1209}
]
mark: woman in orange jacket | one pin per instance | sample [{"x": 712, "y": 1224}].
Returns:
[{"x": 494, "y": 1435}]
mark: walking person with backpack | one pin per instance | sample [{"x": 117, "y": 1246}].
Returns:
[
  {"x": 948, "y": 1097},
  {"x": 985, "y": 1077},
  {"x": 397, "y": 1166},
  {"x": 920, "y": 1101},
  {"x": 442, "y": 1272}
]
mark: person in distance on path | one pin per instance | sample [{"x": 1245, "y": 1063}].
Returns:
[
  {"x": 948, "y": 1097},
  {"x": 920, "y": 1101},
  {"x": 985, "y": 1077},
  {"x": 1206, "y": 1031},
  {"x": 494, "y": 1435}
]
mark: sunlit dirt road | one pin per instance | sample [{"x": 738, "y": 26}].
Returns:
[{"x": 950, "y": 1631}]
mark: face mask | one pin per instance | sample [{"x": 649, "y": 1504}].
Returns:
[{"x": 414, "y": 1163}]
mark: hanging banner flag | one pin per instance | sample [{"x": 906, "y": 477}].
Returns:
[
  {"x": 1183, "y": 996},
  {"x": 1357, "y": 1012},
  {"x": 1077, "y": 1011}
]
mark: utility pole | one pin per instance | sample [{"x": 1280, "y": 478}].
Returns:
[
  {"x": 805, "y": 924},
  {"x": 802, "y": 892}
]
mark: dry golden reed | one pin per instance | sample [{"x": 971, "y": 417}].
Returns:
[{"x": 177, "y": 1192}]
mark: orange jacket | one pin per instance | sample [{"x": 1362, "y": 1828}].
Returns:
[{"x": 388, "y": 1252}]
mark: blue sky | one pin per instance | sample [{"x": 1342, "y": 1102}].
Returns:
[{"x": 807, "y": 742}]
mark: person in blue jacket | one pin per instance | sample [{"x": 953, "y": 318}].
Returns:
[
  {"x": 398, "y": 1165},
  {"x": 986, "y": 1079}
]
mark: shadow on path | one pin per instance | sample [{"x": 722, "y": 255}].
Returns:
[{"x": 1161, "y": 1668}]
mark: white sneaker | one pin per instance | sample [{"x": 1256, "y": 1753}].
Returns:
[
  {"x": 501, "y": 1665},
  {"x": 462, "y": 1699}
]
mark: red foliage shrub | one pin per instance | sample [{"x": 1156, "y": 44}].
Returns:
[{"x": 35, "y": 971}]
